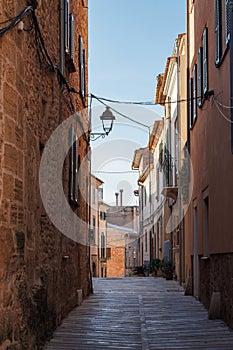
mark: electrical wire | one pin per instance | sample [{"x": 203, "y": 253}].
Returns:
[
  {"x": 17, "y": 19},
  {"x": 7, "y": 20},
  {"x": 145, "y": 103},
  {"x": 114, "y": 172},
  {"x": 222, "y": 114},
  {"x": 45, "y": 56},
  {"x": 220, "y": 104},
  {"x": 121, "y": 114}
]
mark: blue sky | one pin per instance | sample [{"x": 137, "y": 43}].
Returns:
[{"x": 129, "y": 41}]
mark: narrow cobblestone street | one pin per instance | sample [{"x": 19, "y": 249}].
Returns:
[{"x": 140, "y": 313}]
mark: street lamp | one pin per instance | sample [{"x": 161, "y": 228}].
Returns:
[{"x": 107, "y": 122}]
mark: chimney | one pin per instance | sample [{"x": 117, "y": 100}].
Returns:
[
  {"x": 116, "y": 194},
  {"x": 121, "y": 198}
]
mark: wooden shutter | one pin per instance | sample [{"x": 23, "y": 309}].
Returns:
[
  {"x": 84, "y": 78},
  {"x": 194, "y": 93},
  {"x": 190, "y": 103},
  {"x": 205, "y": 61},
  {"x": 108, "y": 253},
  {"x": 71, "y": 165},
  {"x": 218, "y": 31},
  {"x": 228, "y": 9},
  {"x": 82, "y": 69},
  {"x": 71, "y": 38},
  {"x": 66, "y": 25},
  {"x": 200, "y": 77},
  {"x": 75, "y": 170}
]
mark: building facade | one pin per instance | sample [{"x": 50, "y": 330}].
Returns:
[
  {"x": 94, "y": 239},
  {"x": 122, "y": 240},
  {"x": 43, "y": 60},
  {"x": 152, "y": 238},
  {"x": 103, "y": 252},
  {"x": 171, "y": 93},
  {"x": 209, "y": 246}
]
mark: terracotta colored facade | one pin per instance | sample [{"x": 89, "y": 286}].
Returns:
[
  {"x": 209, "y": 244},
  {"x": 40, "y": 269},
  {"x": 122, "y": 240}
]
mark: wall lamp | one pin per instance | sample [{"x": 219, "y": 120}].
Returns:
[{"x": 107, "y": 122}]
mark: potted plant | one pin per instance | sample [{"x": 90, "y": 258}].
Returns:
[
  {"x": 168, "y": 269},
  {"x": 156, "y": 267},
  {"x": 139, "y": 271}
]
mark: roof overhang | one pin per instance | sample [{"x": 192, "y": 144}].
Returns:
[{"x": 145, "y": 174}]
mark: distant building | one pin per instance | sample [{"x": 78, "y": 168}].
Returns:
[
  {"x": 151, "y": 202},
  {"x": 95, "y": 219},
  {"x": 122, "y": 240}
]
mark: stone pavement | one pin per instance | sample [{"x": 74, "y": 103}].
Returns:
[{"x": 140, "y": 313}]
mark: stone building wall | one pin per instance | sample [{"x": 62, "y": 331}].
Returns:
[
  {"x": 116, "y": 263},
  {"x": 38, "y": 286},
  {"x": 216, "y": 276}
]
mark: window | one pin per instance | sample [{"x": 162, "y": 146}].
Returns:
[
  {"x": 71, "y": 36},
  {"x": 103, "y": 246},
  {"x": 157, "y": 183},
  {"x": 190, "y": 103},
  {"x": 67, "y": 37},
  {"x": 223, "y": 13},
  {"x": 202, "y": 70},
  {"x": 146, "y": 241},
  {"x": 145, "y": 196},
  {"x": 228, "y": 9},
  {"x": 205, "y": 62},
  {"x": 200, "y": 77},
  {"x": 102, "y": 215},
  {"x": 167, "y": 163},
  {"x": 218, "y": 30},
  {"x": 108, "y": 253},
  {"x": 66, "y": 24},
  {"x": 82, "y": 70},
  {"x": 100, "y": 194},
  {"x": 194, "y": 93},
  {"x": 93, "y": 227},
  {"x": 73, "y": 169},
  {"x": 93, "y": 195}
]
